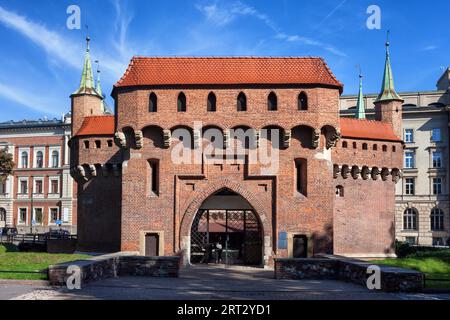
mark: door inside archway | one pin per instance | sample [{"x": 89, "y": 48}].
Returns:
[{"x": 226, "y": 230}]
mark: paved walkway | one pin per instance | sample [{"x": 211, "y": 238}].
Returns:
[{"x": 217, "y": 282}]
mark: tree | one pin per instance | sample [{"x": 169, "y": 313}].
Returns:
[{"x": 6, "y": 165}]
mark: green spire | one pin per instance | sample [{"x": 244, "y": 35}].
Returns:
[
  {"x": 360, "y": 107},
  {"x": 387, "y": 89},
  {"x": 87, "y": 85},
  {"x": 98, "y": 87}
]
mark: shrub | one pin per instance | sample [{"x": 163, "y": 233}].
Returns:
[{"x": 8, "y": 248}]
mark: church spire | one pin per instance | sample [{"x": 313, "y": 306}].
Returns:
[
  {"x": 361, "y": 106},
  {"x": 387, "y": 88},
  {"x": 87, "y": 85},
  {"x": 98, "y": 86}
]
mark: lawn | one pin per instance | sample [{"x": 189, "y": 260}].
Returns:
[
  {"x": 15, "y": 265},
  {"x": 434, "y": 264}
]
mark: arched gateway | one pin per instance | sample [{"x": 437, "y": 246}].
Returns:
[{"x": 226, "y": 229}]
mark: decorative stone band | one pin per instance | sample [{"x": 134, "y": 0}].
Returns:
[
  {"x": 287, "y": 138},
  {"x": 120, "y": 140},
  {"x": 86, "y": 172},
  {"x": 332, "y": 139},
  {"x": 366, "y": 173},
  {"x": 167, "y": 135},
  {"x": 315, "y": 139},
  {"x": 139, "y": 139}
]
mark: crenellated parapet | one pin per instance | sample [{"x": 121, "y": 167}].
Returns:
[{"x": 365, "y": 173}]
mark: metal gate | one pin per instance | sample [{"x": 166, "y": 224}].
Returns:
[{"x": 226, "y": 236}]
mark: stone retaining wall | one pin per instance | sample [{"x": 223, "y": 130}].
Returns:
[
  {"x": 392, "y": 279},
  {"x": 114, "y": 265}
]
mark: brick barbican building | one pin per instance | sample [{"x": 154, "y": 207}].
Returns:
[{"x": 329, "y": 189}]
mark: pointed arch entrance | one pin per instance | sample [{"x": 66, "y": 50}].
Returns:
[{"x": 226, "y": 229}]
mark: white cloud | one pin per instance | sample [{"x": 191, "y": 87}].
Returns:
[
  {"x": 222, "y": 14},
  {"x": 27, "y": 99},
  {"x": 430, "y": 48}
]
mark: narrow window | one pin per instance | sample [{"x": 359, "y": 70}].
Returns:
[
  {"x": 354, "y": 145},
  {"x": 98, "y": 144},
  {"x": 301, "y": 176},
  {"x": 39, "y": 159},
  {"x": 54, "y": 187},
  {"x": 2, "y": 187},
  {"x": 409, "y": 160},
  {"x": 302, "y": 101},
  {"x": 86, "y": 144},
  {"x": 394, "y": 149},
  {"x": 339, "y": 191},
  {"x": 241, "y": 102},
  {"x": 23, "y": 215},
  {"x": 409, "y": 186},
  {"x": 344, "y": 144},
  {"x": 437, "y": 186},
  {"x": 153, "y": 103},
  {"x": 23, "y": 187},
  {"x": 364, "y": 146},
  {"x": 110, "y": 143},
  {"x": 24, "y": 159},
  {"x": 409, "y": 135},
  {"x": 38, "y": 216},
  {"x": 55, "y": 159},
  {"x": 211, "y": 103},
  {"x": 154, "y": 177},
  {"x": 384, "y": 148},
  {"x": 410, "y": 219},
  {"x": 375, "y": 147},
  {"x": 181, "y": 104},
  {"x": 38, "y": 187},
  {"x": 437, "y": 159},
  {"x": 272, "y": 103},
  {"x": 437, "y": 219},
  {"x": 54, "y": 215}
]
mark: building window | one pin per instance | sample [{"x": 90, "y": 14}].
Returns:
[
  {"x": 54, "y": 186},
  {"x": 2, "y": 187},
  {"x": 302, "y": 101},
  {"x": 409, "y": 160},
  {"x": 301, "y": 176},
  {"x": 211, "y": 103},
  {"x": 38, "y": 187},
  {"x": 55, "y": 159},
  {"x": 39, "y": 159},
  {"x": 339, "y": 191},
  {"x": 409, "y": 186},
  {"x": 153, "y": 103},
  {"x": 409, "y": 135},
  {"x": 375, "y": 147},
  {"x": 410, "y": 240},
  {"x": 436, "y": 135},
  {"x": 24, "y": 159},
  {"x": 86, "y": 144},
  {"x": 241, "y": 102},
  {"x": 437, "y": 219},
  {"x": 23, "y": 187},
  {"x": 272, "y": 103},
  {"x": 344, "y": 144},
  {"x": 384, "y": 148},
  {"x": 394, "y": 149},
  {"x": 364, "y": 146},
  {"x": 181, "y": 102},
  {"x": 437, "y": 186},
  {"x": 38, "y": 217},
  {"x": 154, "y": 177},
  {"x": 110, "y": 143},
  {"x": 437, "y": 159},
  {"x": 54, "y": 215},
  {"x": 22, "y": 215},
  {"x": 354, "y": 145},
  {"x": 98, "y": 144},
  {"x": 2, "y": 215},
  {"x": 438, "y": 241},
  {"x": 410, "y": 219}
]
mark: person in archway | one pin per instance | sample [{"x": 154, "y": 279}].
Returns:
[{"x": 219, "y": 250}]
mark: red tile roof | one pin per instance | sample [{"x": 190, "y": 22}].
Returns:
[
  {"x": 367, "y": 129},
  {"x": 97, "y": 125},
  {"x": 227, "y": 70}
]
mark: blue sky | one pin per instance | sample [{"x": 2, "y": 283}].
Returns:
[{"x": 41, "y": 60}]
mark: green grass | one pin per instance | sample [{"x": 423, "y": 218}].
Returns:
[
  {"x": 14, "y": 261},
  {"x": 434, "y": 264}
]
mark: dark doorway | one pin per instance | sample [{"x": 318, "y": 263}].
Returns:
[
  {"x": 152, "y": 245},
  {"x": 231, "y": 237},
  {"x": 300, "y": 247}
]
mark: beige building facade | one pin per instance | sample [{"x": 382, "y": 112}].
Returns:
[{"x": 423, "y": 196}]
